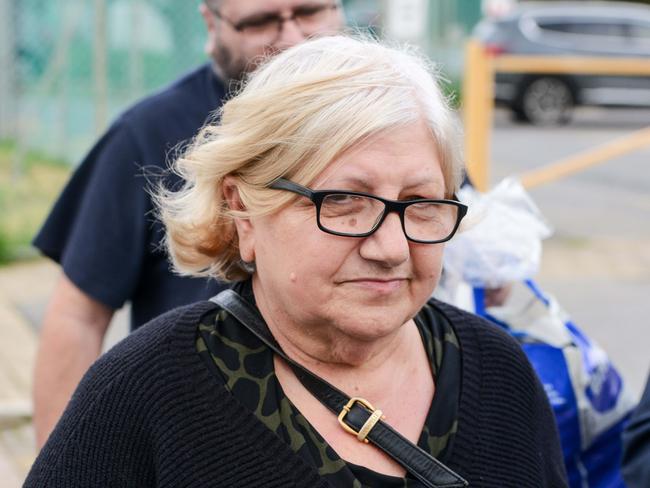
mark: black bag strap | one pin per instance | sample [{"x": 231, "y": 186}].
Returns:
[{"x": 356, "y": 415}]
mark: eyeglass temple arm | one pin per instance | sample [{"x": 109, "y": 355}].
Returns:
[{"x": 283, "y": 184}]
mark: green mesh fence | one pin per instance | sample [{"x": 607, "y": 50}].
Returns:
[
  {"x": 68, "y": 67},
  {"x": 71, "y": 65}
]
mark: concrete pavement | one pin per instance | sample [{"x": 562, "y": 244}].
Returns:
[
  {"x": 24, "y": 292},
  {"x": 604, "y": 284}
]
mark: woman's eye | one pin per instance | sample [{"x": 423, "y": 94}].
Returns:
[{"x": 343, "y": 198}]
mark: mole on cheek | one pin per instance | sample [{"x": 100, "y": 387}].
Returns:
[{"x": 292, "y": 277}]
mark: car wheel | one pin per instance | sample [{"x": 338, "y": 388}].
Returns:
[{"x": 545, "y": 101}]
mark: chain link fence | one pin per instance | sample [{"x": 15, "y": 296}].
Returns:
[{"x": 68, "y": 67}]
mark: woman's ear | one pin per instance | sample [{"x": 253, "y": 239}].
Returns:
[{"x": 244, "y": 226}]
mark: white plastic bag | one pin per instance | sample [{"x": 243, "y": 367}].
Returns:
[{"x": 501, "y": 240}]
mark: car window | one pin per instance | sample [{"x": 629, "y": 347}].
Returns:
[
  {"x": 583, "y": 28},
  {"x": 575, "y": 34}
]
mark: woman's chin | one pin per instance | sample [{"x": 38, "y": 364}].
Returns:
[{"x": 368, "y": 323}]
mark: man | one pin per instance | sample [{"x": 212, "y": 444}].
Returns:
[
  {"x": 101, "y": 229},
  {"x": 636, "y": 444}
]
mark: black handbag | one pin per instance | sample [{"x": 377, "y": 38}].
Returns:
[{"x": 356, "y": 415}]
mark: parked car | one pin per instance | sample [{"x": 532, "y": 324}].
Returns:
[{"x": 608, "y": 29}]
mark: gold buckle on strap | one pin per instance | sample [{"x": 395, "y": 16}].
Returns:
[{"x": 376, "y": 414}]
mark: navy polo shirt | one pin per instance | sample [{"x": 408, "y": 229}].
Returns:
[{"x": 102, "y": 229}]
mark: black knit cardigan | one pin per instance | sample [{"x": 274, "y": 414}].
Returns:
[{"x": 149, "y": 413}]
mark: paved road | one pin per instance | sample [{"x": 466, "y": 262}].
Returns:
[{"x": 598, "y": 262}]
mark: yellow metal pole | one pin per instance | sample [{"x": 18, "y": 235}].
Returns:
[
  {"x": 572, "y": 65},
  {"x": 478, "y": 100},
  {"x": 586, "y": 159}
]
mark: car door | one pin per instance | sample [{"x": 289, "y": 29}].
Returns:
[{"x": 600, "y": 36}]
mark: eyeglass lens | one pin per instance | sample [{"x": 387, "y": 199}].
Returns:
[
  {"x": 308, "y": 18},
  {"x": 354, "y": 215}
]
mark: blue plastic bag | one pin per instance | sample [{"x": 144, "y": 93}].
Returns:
[{"x": 501, "y": 247}]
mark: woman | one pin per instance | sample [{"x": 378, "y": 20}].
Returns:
[{"x": 326, "y": 193}]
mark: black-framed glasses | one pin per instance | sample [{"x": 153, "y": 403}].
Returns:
[
  {"x": 357, "y": 214},
  {"x": 267, "y": 26}
]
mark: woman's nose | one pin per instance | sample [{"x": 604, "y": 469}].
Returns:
[{"x": 387, "y": 244}]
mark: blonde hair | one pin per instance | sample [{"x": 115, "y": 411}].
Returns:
[{"x": 294, "y": 116}]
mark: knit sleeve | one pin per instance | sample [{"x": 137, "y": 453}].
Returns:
[
  {"x": 106, "y": 436},
  {"x": 547, "y": 439},
  {"x": 526, "y": 421},
  {"x": 102, "y": 438},
  {"x": 507, "y": 435}
]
